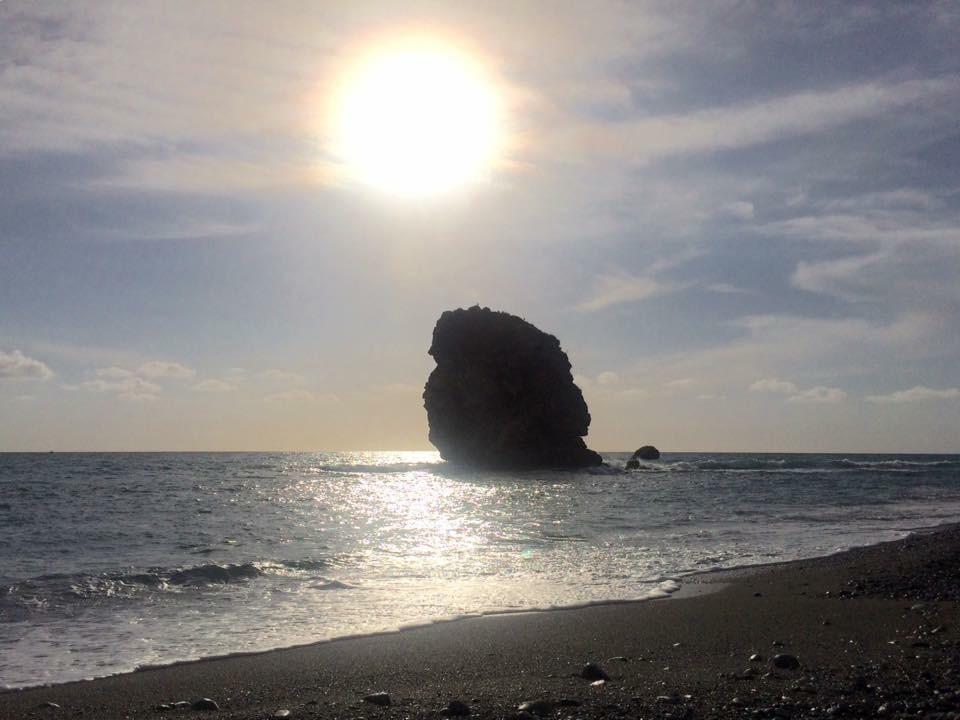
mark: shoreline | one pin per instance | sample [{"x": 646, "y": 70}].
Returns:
[
  {"x": 690, "y": 584},
  {"x": 706, "y": 635}
]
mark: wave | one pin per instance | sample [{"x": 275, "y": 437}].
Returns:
[
  {"x": 790, "y": 465},
  {"x": 60, "y": 591},
  {"x": 897, "y": 463}
]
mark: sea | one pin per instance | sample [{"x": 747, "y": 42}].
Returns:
[{"x": 111, "y": 562}]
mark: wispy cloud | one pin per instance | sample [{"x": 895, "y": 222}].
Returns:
[
  {"x": 819, "y": 395},
  {"x": 290, "y": 396},
  {"x": 130, "y": 388},
  {"x": 617, "y": 288},
  {"x": 773, "y": 385},
  {"x": 17, "y": 366},
  {"x": 916, "y": 394},
  {"x": 727, "y": 289},
  {"x": 738, "y": 210},
  {"x": 608, "y": 378},
  {"x": 815, "y": 395},
  {"x": 213, "y": 385},
  {"x": 113, "y": 373},
  {"x": 165, "y": 369},
  {"x": 759, "y": 122}
]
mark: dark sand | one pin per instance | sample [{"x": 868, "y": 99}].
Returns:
[{"x": 875, "y": 631}]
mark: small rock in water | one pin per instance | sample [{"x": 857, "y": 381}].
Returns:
[
  {"x": 592, "y": 671},
  {"x": 282, "y": 714},
  {"x": 618, "y": 658},
  {"x": 50, "y": 705},
  {"x": 204, "y": 704},
  {"x": 785, "y": 662},
  {"x": 162, "y": 707},
  {"x": 457, "y": 708},
  {"x": 179, "y": 704},
  {"x": 540, "y": 708},
  {"x": 378, "y": 698},
  {"x": 756, "y": 657},
  {"x": 598, "y": 683}
]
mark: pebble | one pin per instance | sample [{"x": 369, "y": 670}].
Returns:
[
  {"x": 756, "y": 657},
  {"x": 282, "y": 714},
  {"x": 785, "y": 662},
  {"x": 457, "y": 708},
  {"x": 540, "y": 708},
  {"x": 598, "y": 683},
  {"x": 204, "y": 704},
  {"x": 378, "y": 698},
  {"x": 592, "y": 671}
]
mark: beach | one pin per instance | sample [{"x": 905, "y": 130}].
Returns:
[{"x": 874, "y": 631}]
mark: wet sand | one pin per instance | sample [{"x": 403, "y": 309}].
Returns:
[{"x": 874, "y": 630}]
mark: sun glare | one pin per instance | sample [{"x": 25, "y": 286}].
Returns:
[{"x": 417, "y": 120}]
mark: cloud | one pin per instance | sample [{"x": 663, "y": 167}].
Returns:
[
  {"x": 739, "y": 210},
  {"x": 901, "y": 198},
  {"x": 163, "y": 368},
  {"x": 680, "y": 383},
  {"x": 616, "y": 288},
  {"x": 17, "y": 366},
  {"x": 819, "y": 395},
  {"x": 727, "y": 289},
  {"x": 213, "y": 385},
  {"x": 608, "y": 378},
  {"x": 113, "y": 373},
  {"x": 290, "y": 396},
  {"x": 773, "y": 385},
  {"x": 758, "y": 122},
  {"x": 915, "y": 394},
  {"x": 130, "y": 388}
]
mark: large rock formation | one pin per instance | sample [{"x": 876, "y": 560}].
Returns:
[{"x": 502, "y": 395}]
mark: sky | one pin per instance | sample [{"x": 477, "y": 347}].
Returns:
[{"x": 741, "y": 219}]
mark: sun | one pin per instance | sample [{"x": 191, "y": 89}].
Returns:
[{"x": 417, "y": 119}]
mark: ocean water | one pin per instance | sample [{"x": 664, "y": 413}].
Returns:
[{"x": 109, "y": 562}]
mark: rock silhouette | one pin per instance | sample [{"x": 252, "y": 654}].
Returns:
[
  {"x": 647, "y": 452},
  {"x": 502, "y": 395}
]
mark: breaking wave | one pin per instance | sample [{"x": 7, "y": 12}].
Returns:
[{"x": 48, "y": 593}]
